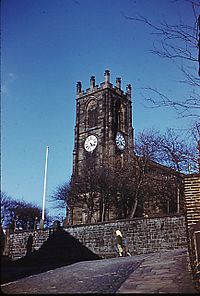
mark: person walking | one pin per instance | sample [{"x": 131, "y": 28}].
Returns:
[{"x": 121, "y": 245}]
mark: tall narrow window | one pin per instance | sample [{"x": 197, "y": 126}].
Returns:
[
  {"x": 119, "y": 115},
  {"x": 92, "y": 113}
]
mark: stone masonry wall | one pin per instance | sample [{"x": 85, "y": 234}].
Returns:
[
  {"x": 142, "y": 236},
  {"x": 192, "y": 204},
  {"x": 16, "y": 243},
  {"x": 192, "y": 198}
]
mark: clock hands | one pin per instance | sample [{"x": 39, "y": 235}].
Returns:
[{"x": 90, "y": 143}]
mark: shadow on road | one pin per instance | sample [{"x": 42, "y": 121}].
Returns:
[{"x": 59, "y": 250}]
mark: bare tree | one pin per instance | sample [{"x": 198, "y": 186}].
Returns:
[
  {"x": 176, "y": 153},
  {"x": 84, "y": 193},
  {"x": 60, "y": 195},
  {"x": 195, "y": 131},
  {"x": 99, "y": 192},
  {"x": 146, "y": 147},
  {"x": 27, "y": 215},
  {"x": 105, "y": 181},
  {"x": 160, "y": 160},
  {"x": 180, "y": 43},
  {"x": 123, "y": 185},
  {"x": 6, "y": 204},
  {"x": 151, "y": 175},
  {"x": 20, "y": 214}
]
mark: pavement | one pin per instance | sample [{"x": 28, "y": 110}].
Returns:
[{"x": 162, "y": 272}]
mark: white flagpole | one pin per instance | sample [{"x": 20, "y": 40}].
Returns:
[{"x": 45, "y": 182}]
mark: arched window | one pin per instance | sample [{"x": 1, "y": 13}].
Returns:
[
  {"x": 92, "y": 113},
  {"x": 119, "y": 115}
]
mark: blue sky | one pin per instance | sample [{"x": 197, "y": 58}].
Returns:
[{"x": 47, "y": 46}]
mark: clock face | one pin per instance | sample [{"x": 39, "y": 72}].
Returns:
[
  {"x": 120, "y": 141},
  {"x": 90, "y": 143}
]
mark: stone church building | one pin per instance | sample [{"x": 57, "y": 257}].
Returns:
[
  {"x": 103, "y": 134},
  {"x": 103, "y": 123}
]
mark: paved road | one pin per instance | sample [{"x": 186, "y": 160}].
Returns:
[
  {"x": 99, "y": 276},
  {"x": 151, "y": 273}
]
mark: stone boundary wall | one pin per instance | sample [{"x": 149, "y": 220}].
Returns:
[
  {"x": 192, "y": 198},
  {"x": 194, "y": 252},
  {"x": 192, "y": 205},
  {"x": 16, "y": 242},
  {"x": 143, "y": 235}
]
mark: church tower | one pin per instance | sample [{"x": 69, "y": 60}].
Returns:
[{"x": 103, "y": 127}]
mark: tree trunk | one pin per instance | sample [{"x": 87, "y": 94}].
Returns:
[
  {"x": 178, "y": 199},
  {"x": 133, "y": 210},
  {"x": 103, "y": 212},
  {"x": 134, "y": 207}
]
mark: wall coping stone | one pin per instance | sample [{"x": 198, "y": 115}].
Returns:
[{"x": 127, "y": 220}]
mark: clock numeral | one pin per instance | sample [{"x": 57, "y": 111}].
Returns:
[{"x": 120, "y": 141}]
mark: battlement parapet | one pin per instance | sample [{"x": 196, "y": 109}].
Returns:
[{"x": 104, "y": 85}]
